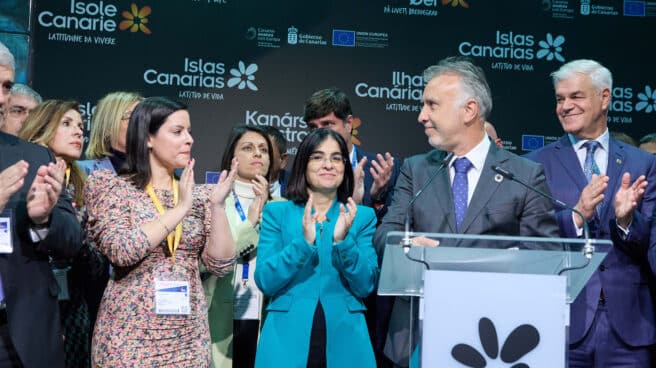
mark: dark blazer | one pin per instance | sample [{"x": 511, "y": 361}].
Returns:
[
  {"x": 29, "y": 286},
  {"x": 496, "y": 208},
  {"x": 369, "y": 180},
  {"x": 625, "y": 273}
]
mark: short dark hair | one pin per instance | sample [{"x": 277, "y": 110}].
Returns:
[
  {"x": 297, "y": 184},
  {"x": 235, "y": 135},
  {"x": 651, "y": 137},
  {"x": 325, "y": 101},
  {"x": 278, "y": 137},
  {"x": 146, "y": 119}
]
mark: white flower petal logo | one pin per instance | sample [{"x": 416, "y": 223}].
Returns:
[
  {"x": 647, "y": 100},
  {"x": 551, "y": 48},
  {"x": 243, "y": 76}
]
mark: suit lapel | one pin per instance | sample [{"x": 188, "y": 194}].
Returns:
[
  {"x": 564, "y": 152},
  {"x": 440, "y": 190},
  {"x": 485, "y": 188},
  {"x": 616, "y": 155},
  {"x": 10, "y": 155}
]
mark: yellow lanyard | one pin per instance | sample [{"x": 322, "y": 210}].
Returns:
[
  {"x": 68, "y": 175},
  {"x": 173, "y": 242}
]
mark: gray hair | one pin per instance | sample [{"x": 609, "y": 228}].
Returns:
[
  {"x": 600, "y": 75},
  {"x": 6, "y": 57},
  {"x": 472, "y": 81},
  {"x": 23, "y": 90}
]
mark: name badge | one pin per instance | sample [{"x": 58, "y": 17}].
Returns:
[
  {"x": 172, "y": 297},
  {"x": 246, "y": 302},
  {"x": 6, "y": 245}
]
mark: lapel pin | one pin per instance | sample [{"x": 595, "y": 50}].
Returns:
[
  {"x": 619, "y": 162},
  {"x": 498, "y": 178}
]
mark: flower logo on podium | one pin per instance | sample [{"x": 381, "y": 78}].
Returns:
[{"x": 522, "y": 340}]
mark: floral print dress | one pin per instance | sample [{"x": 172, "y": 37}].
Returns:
[{"x": 128, "y": 332}]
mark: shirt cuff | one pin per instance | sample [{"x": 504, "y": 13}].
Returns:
[
  {"x": 579, "y": 230},
  {"x": 624, "y": 233}
]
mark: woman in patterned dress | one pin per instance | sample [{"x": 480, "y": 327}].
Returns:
[
  {"x": 58, "y": 125},
  {"x": 154, "y": 230}
]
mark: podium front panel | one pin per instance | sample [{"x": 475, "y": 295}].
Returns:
[{"x": 503, "y": 319}]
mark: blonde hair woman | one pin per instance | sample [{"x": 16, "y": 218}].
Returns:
[{"x": 109, "y": 125}]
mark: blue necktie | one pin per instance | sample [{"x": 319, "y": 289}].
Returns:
[
  {"x": 590, "y": 166},
  {"x": 460, "y": 188}
]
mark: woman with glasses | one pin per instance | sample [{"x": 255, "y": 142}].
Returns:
[{"x": 316, "y": 262}]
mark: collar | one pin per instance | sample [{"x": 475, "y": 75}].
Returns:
[
  {"x": 117, "y": 159},
  {"x": 603, "y": 139},
  {"x": 243, "y": 189},
  {"x": 477, "y": 154},
  {"x": 353, "y": 156}
]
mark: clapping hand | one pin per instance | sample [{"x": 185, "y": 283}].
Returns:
[
  {"x": 358, "y": 181},
  {"x": 186, "y": 187},
  {"x": 11, "y": 181},
  {"x": 261, "y": 190},
  {"x": 345, "y": 220},
  {"x": 309, "y": 222},
  {"x": 45, "y": 191},
  {"x": 224, "y": 185},
  {"x": 628, "y": 197},
  {"x": 381, "y": 171}
]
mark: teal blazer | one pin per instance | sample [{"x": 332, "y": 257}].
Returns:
[{"x": 297, "y": 275}]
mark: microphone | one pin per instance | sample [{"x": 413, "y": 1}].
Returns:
[
  {"x": 407, "y": 242},
  {"x": 588, "y": 249}
]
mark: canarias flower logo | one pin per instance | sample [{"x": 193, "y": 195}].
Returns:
[
  {"x": 355, "y": 124},
  {"x": 135, "y": 19},
  {"x": 455, "y": 3}
]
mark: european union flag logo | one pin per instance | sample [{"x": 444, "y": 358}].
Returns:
[
  {"x": 343, "y": 38},
  {"x": 634, "y": 8},
  {"x": 212, "y": 177},
  {"x": 532, "y": 142}
]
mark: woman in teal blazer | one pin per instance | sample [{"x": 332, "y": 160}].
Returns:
[{"x": 316, "y": 261}]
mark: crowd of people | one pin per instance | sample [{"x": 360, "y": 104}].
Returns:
[{"x": 117, "y": 258}]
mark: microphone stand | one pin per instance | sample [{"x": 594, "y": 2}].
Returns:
[
  {"x": 588, "y": 248},
  {"x": 406, "y": 242}
]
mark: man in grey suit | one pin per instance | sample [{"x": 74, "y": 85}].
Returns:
[{"x": 467, "y": 196}]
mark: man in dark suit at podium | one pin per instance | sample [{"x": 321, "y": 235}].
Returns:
[
  {"x": 36, "y": 222},
  {"x": 613, "y": 184},
  {"x": 466, "y": 196}
]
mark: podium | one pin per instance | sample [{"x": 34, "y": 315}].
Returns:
[{"x": 482, "y": 300}]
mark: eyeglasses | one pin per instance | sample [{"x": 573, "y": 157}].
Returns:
[
  {"x": 18, "y": 111},
  {"x": 318, "y": 159}
]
